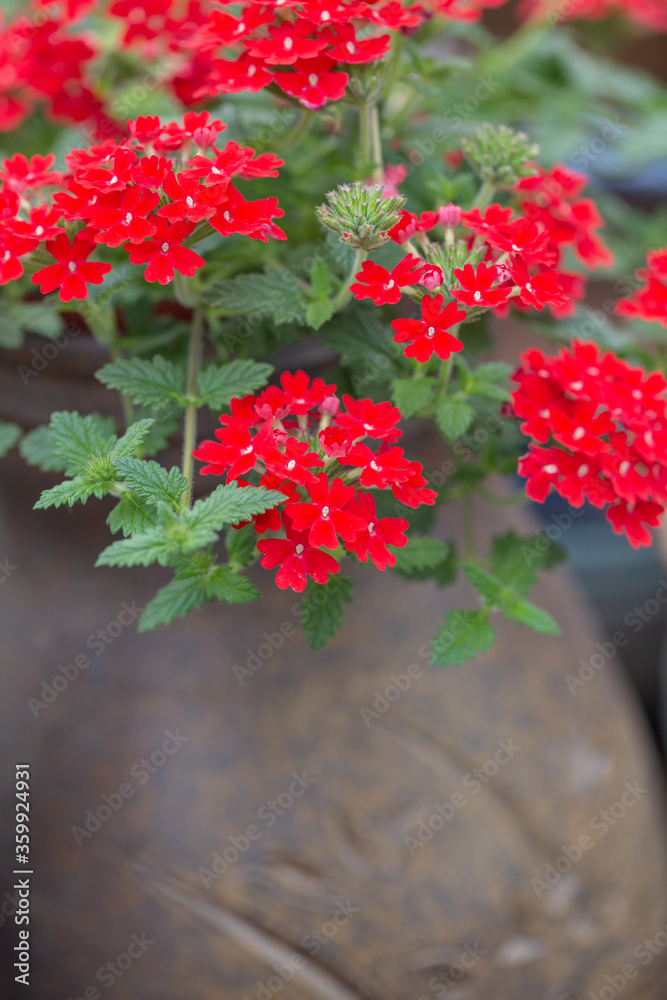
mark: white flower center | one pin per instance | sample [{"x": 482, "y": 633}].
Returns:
[
  {"x": 551, "y": 470},
  {"x": 290, "y": 465},
  {"x": 216, "y": 170},
  {"x": 128, "y": 219},
  {"x": 190, "y": 202},
  {"x": 325, "y": 16},
  {"x": 350, "y": 47},
  {"x": 246, "y": 451},
  {"x": 545, "y": 413},
  {"x": 288, "y": 44},
  {"x": 515, "y": 248},
  {"x": 477, "y": 296},
  {"x": 240, "y": 27},
  {"x": 226, "y": 216},
  {"x": 582, "y": 471},
  {"x": 593, "y": 371},
  {"x": 576, "y": 386},
  {"x": 252, "y": 70},
  {"x": 578, "y": 434},
  {"x": 543, "y": 373},
  {"x": 299, "y": 549},
  {"x": 623, "y": 468},
  {"x": 312, "y": 79},
  {"x": 71, "y": 267},
  {"x": 165, "y": 248},
  {"x": 370, "y": 527},
  {"x": 648, "y": 437},
  {"x": 636, "y": 394},
  {"x": 528, "y": 286},
  {"x": 6, "y": 255},
  {"x": 39, "y": 230},
  {"x": 390, "y": 284},
  {"x": 325, "y": 512},
  {"x": 114, "y": 179},
  {"x": 430, "y": 332},
  {"x": 374, "y": 466},
  {"x": 368, "y": 427}
]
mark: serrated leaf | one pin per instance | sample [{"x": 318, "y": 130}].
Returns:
[
  {"x": 151, "y": 480},
  {"x": 421, "y": 553},
  {"x": 37, "y": 448},
  {"x": 454, "y": 417},
  {"x": 276, "y": 293},
  {"x": 462, "y": 637},
  {"x": 77, "y": 439},
  {"x": 487, "y": 586},
  {"x": 131, "y": 515},
  {"x": 241, "y": 546},
  {"x": 317, "y": 313},
  {"x": 321, "y": 610},
  {"x": 19, "y": 318},
  {"x": 173, "y": 601},
  {"x": 132, "y": 438},
  {"x": 154, "y": 383},
  {"x": 229, "y": 504},
  {"x": 411, "y": 395},
  {"x": 172, "y": 536},
  {"x": 320, "y": 279},
  {"x": 219, "y": 384},
  {"x": 533, "y": 617},
  {"x": 66, "y": 493},
  {"x": 9, "y": 435},
  {"x": 231, "y": 587},
  {"x": 493, "y": 371},
  {"x": 488, "y": 390}
]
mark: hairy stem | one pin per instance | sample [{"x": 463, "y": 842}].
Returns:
[
  {"x": 190, "y": 420},
  {"x": 370, "y": 140}
]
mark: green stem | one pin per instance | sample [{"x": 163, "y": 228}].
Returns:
[
  {"x": 300, "y": 128},
  {"x": 445, "y": 374},
  {"x": 370, "y": 140},
  {"x": 484, "y": 195},
  {"x": 344, "y": 294},
  {"x": 190, "y": 421},
  {"x": 468, "y": 526}
]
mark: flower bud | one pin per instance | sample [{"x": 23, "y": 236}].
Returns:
[
  {"x": 432, "y": 277},
  {"x": 500, "y": 156},
  {"x": 361, "y": 215},
  {"x": 329, "y": 406},
  {"x": 204, "y": 137},
  {"x": 449, "y": 215}
]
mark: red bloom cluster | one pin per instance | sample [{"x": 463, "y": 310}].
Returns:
[
  {"x": 601, "y": 430},
  {"x": 132, "y": 193},
  {"x": 650, "y": 302},
  {"x": 521, "y": 260},
  {"x": 651, "y": 13},
  {"x": 304, "y": 445},
  {"x": 300, "y": 45}
]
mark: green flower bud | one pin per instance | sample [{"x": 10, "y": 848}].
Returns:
[
  {"x": 500, "y": 155},
  {"x": 360, "y": 214}
]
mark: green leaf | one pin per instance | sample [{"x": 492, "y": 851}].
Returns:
[
  {"x": 218, "y": 385},
  {"x": 241, "y": 545},
  {"x": 420, "y": 553},
  {"x": 454, "y": 417},
  {"x": 492, "y": 371},
  {"x": 19, "y": 318},
  {"x": 68, "y": 492},
  {"x": 173, "y": 601},
  {"x": 9, "y": 435},
  {"x": 172, "y": 536},
  {"x": 131, "y": 515},
  {"x": 132, "y": 438},
  {"x": 154, "y": 383},
  {"x": 412, "y": 395},
  {"x": 317, "y": 313},
  {"x": 38, "y": 448},
  {"x": 275, "y": 293},
  {"x": 320, "y": 279},
  {"x": 321, "y": 610},
  {"x": 231, "y": 587},
  {"x": 488, "y": 390},
  {"x": 463, "y": 635},
  {"x": 533, "y": 617},
  {"x": 486, "y": 585},
  {"x": 77, "y": 439},
  {"x": 151, "y": 480},
  {"x": 229, "y": 504}
]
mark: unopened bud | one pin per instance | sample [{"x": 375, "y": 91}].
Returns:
[
  {"x": 432, "y": 277},
  {"x": 329, "y": 406},
  {"x": 449, "y": 215},
  {"x": 361, "y": 215},
  {"x": 204, "y": 137}
]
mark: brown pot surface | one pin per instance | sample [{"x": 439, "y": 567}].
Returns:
[{"x": 339, "y": 853}]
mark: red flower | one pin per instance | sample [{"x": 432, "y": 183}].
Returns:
[
  {"x": 126, "y": 220},
  {"x": 165, "y": 253},
  {"x": 650, "y": 302},
  {"x": 348, "y": 48},
  {"x": 379, "y": 469},
  {"x": 313, "y": 83},
  {"x": 73, "y": 271},
  {"x": 41, "y": 226},
  {"x": 430, "y": 333},
  {"x": 288, "y": 43},
  {"x": 414, "y": 491},
  {"x": 11, "y": 247},
  {"x": 405, "y": 228},
  {"x": 631, "y": 518},
  {"x": 294, "y": 463},
  {"x": 538, "y": 289},
  {"x": 236, "y": 451},
  {"x": 325, "y": 517},
  {"x": 189, "y": 199},
  {"x": 382, "y": 286},
  {"x": 476, "y": 286},
  {"x": 21, "y": 174},
  {"x": 364, "y": 418},
  {"x": 297, "y": 558},
  {"x": 151, "y": 171},
  {"x": 250, "y": 218},
  {"x": 230, "y": 76},
  {"x": 520, "y": 237},
  {"x": 493, "y": 217},
  {"x": 303, "y": 396},
  {"x": 373, "y": 539},
  {"x": 432, "y": 277}
]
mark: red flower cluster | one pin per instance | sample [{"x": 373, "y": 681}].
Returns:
[
  {"x": 299, "y": 45},
  {"x": 651, "y": 13},
  {"x": 304, "y": 445},
  {"x": 650, "y": 302},
  {"x": 521, "y": 260},
  {"x": 601, "y": 430},
  {"x": 132, "y": 193}
]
